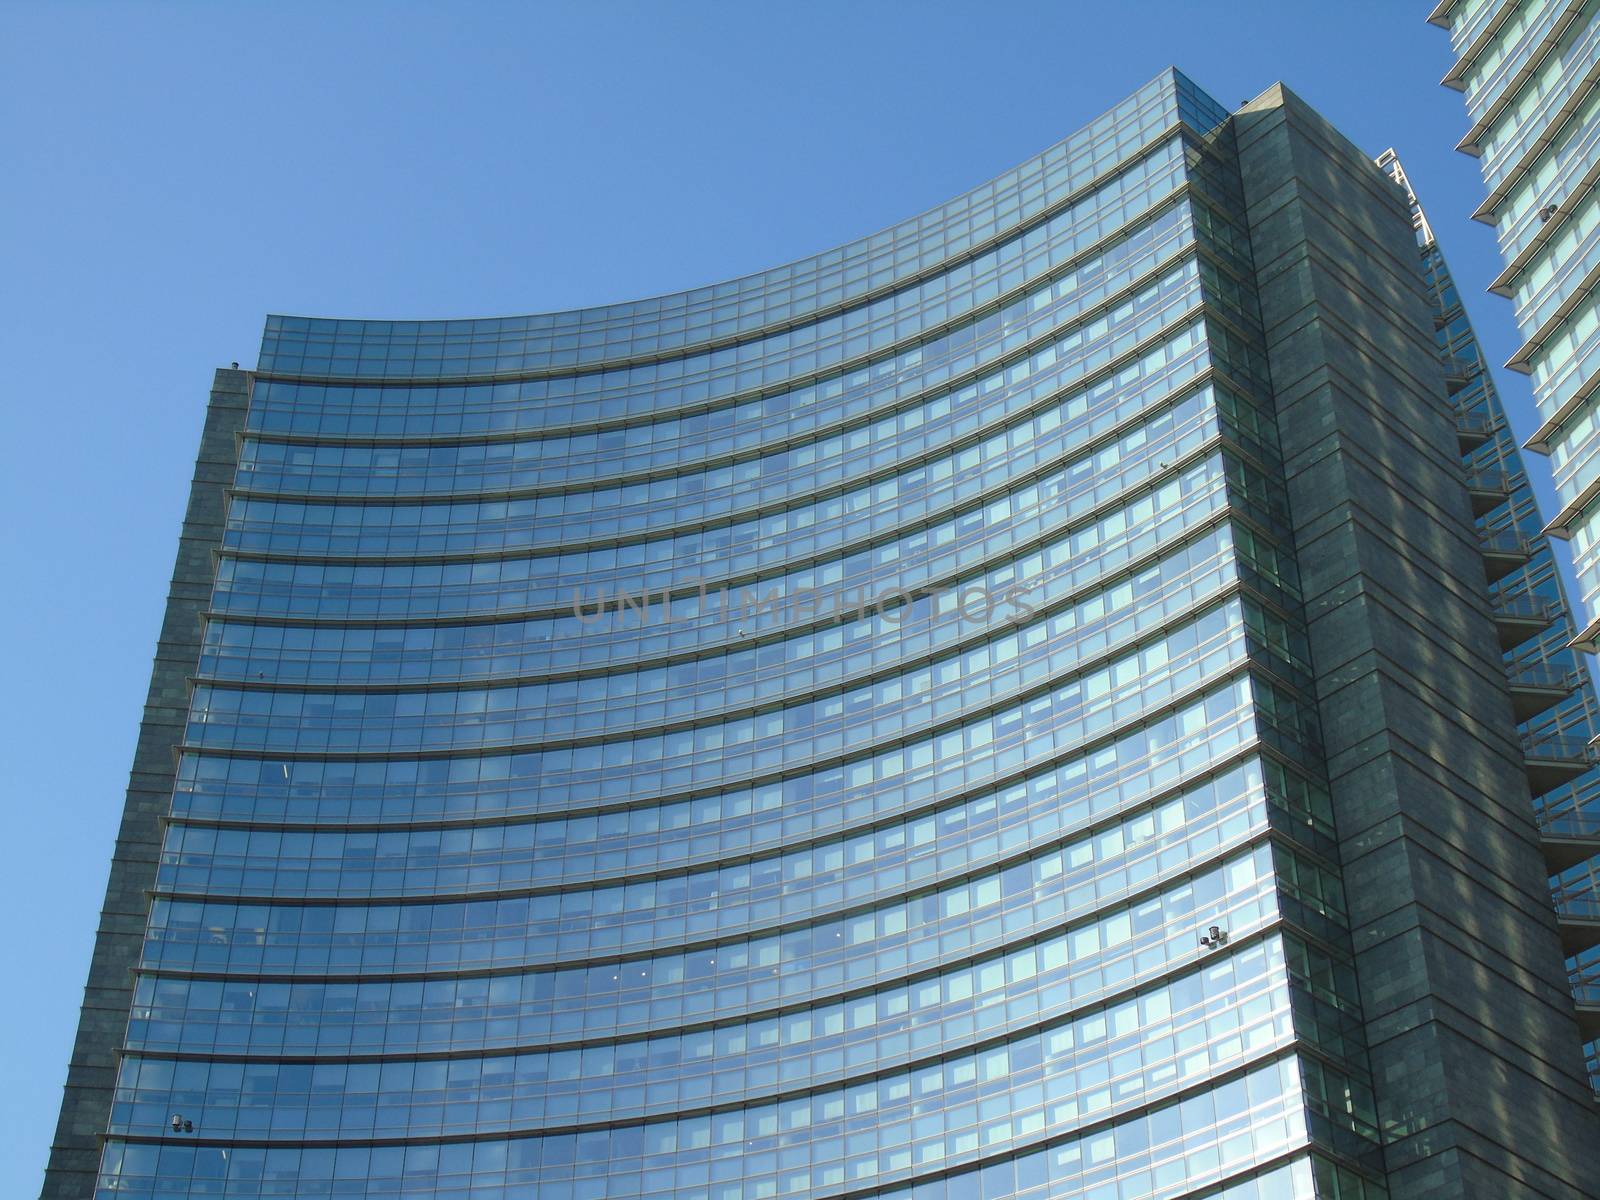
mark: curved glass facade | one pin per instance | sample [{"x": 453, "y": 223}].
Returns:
[{"x": 790, "y": 738}]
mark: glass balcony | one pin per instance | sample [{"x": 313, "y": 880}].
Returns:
[
  {"x": 1472, "y": 430},
  {"x": 1536, "y": 687},
  {"x": 1503, "y": 552},
  {"x": 1488, "y": 489},
  {"x": 1518, "y": 618},
  {"x": 1570, "y": 837}
]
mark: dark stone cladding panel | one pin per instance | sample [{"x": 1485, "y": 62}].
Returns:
[
  {"x": 108, "y": 995},
  {"x": 1474, "y": 1047}
]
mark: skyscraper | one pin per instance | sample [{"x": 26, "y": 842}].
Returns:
[
  {"x": 1553, "y": 695},
  {"x": 1008, "y": 707},
  {"x": 1530, "y": 72}
]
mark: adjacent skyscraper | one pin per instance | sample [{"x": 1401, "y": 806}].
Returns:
[
  {"x": 1553, "y": 695},
  {"x": 1530, "y": 70},
  {"x": 1008, "y": 707}
]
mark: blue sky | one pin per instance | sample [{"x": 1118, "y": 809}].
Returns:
[{"x": 175, "y": 171}]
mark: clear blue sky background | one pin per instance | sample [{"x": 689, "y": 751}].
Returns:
[{"x": 173, "y": 172}]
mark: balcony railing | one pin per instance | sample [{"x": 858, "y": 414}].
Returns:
[
  {"x": 1472, "y": 430},
  {"x": 1518, "y": 618},
  {"x": 1488, "y": 488},
  {"x": 1536, "y": 687},
  {"x": 1543, "y": 675},
  {"x": 1586, "y": 983},
  {"x": 1573, "y": 824},
  {"x": 1578, "y": 916},
  {"x": 1579, "y": 904},
  {"x": 1586, "y": 992},
  {"x": 1527, "y": 607},
  {"x": 1504, "y": 551},
  {"x": 1459, "y": 371},
  {"x": 1571, "y": 837}
]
